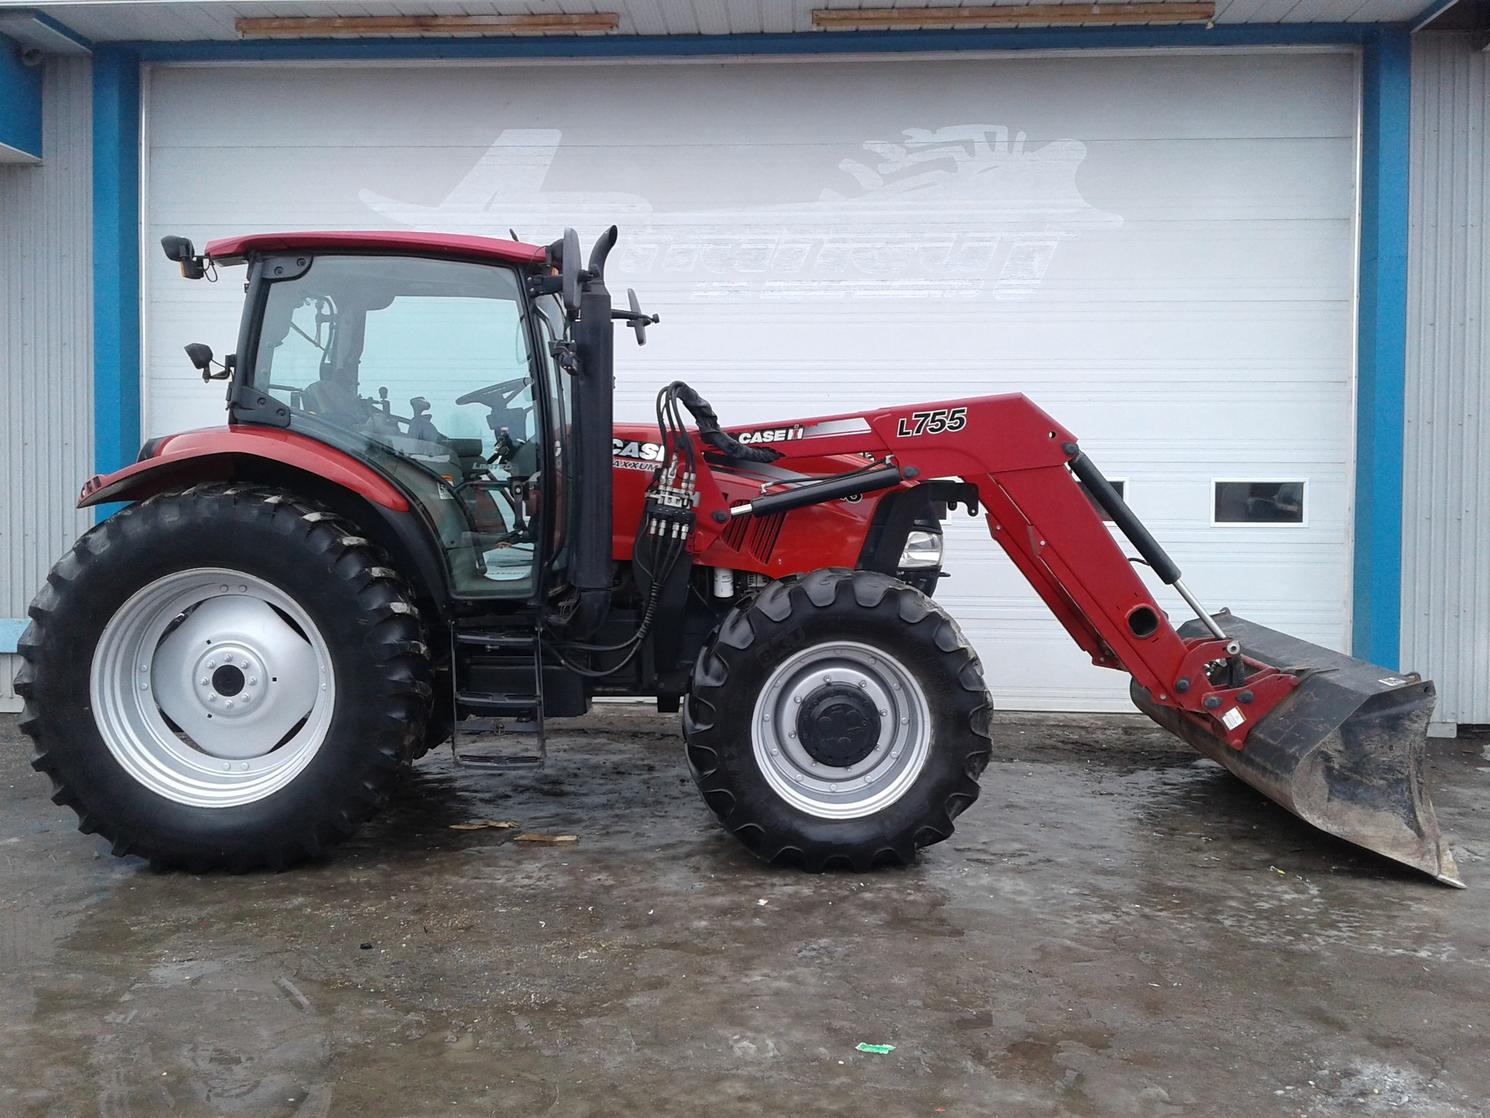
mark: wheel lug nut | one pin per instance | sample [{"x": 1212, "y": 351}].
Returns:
[
  {"x": 862, "y": 685},
  {"x": 832, "y": 788},
  {"x": 791, "y": 733},
  {"x": 253, "y": 681},
  {"x": 223, "y": 589},
  {"x": 883, "y": 712},
  {"x": 205, "y": 681}
]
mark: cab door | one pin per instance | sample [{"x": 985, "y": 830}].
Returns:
[{"x": 426, "y": 368}]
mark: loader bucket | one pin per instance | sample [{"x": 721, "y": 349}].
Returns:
[{"x": 1344, "y": 751}]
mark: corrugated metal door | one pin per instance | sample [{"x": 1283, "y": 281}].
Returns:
[{"x": 1158, "y": 249}]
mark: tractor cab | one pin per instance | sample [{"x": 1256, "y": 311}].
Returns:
[
  {"x": 441, "y": 374},
  {"x": 451, "y": 366}
]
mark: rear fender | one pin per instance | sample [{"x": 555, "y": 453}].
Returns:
[
  {"x": 190, "y": 453},
  {"x": 297, "y": 464}
]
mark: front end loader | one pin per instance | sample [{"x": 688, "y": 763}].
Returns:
[{"x": 421, "y": 512}]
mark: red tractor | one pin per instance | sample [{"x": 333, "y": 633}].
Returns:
[{"x": 420, "y": 511}]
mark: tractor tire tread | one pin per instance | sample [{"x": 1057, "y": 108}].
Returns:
[
  {"x": 778, "y": 604},
  {"x": 394, "y": 650}
]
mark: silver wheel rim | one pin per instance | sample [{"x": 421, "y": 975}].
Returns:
[
  {"x": 878, "y": 780},
  {"x": 212, "y": 688}
]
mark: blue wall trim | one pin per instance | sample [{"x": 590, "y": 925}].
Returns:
[
  {"x": 1386, "y": 77},
  {"x": 20, "y": 101},
  {"x": 611, "y": 46},
  {"x": 116, "y": 259},
  {"x": 1383, "y": 258}
]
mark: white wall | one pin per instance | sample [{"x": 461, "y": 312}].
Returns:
[
  {"x": 46, "y": 345},
  {"x": 1446, "y": 513}
]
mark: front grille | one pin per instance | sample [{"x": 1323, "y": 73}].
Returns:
[{"x": 755, "y": 535}]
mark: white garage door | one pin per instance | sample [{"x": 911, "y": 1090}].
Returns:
[{"x": 1158, "y": 249}]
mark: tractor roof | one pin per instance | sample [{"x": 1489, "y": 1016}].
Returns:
[{"x": 234, "y": 250}]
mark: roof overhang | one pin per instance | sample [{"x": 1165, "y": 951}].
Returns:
[{"x": 70, "y": 25}]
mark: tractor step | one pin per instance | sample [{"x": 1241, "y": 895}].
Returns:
[
  {"x": 496, "y": 702},
  {"x": 498, "y": 641},
  {"x": 504, "y": 762},
  {"x": 520, "y": 653}
]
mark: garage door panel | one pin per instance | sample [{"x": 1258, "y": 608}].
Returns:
[{"x": 1158, "y": 250}]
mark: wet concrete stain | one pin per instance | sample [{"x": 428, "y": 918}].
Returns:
[{"x": 1117, "y": 928}]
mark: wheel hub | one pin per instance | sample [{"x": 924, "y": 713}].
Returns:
[
  {"x": 838, "y": 725},
  {"x": 229, "y": 679},
  {"x": 212, "y": 687},
  {"x": 841, "y": 729}
]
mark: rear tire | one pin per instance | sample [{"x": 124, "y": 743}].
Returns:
[
  {"x": 838, "y": 719},
  {"x": 177, "y": 608}
]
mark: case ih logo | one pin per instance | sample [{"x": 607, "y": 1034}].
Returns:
[{"x": 965, "y": 208}]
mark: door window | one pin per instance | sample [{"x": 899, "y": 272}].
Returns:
[{"x": 423, "y": 366}]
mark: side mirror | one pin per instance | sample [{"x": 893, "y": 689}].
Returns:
[
  {"x": 180, "y": 250},
  {"x": 200, "y": 356},
  {"x": 177, "y": 249},
  {"x": 635, "y": 317},
  {"x": 639, "y": 320},
  {"x": 569, "y": 272}
]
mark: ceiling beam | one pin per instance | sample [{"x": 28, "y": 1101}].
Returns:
[
  {"x": 1052, "y": 15},
  {"x": 330, "y": 27}
]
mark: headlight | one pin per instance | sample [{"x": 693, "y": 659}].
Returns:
[{"x": 923, "y": 551}]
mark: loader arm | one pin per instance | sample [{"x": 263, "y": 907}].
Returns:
[
  {"x": 1337, "y": 741},
  {"x": 1020, "y": 461}
]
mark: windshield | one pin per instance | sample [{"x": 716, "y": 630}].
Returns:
[{"x": 425, "y": 367}]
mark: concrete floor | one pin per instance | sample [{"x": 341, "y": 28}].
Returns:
[{"x": 1117, "y": 928}]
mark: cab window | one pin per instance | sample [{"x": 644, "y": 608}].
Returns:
[{"x": 425, "y": 368}]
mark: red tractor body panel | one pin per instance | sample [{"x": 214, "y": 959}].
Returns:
[
  {"x": 831, "y": 534},
  {"x": 191, "y": 455}
]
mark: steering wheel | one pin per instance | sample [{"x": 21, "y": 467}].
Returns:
[{"x": 492, "y": 395}]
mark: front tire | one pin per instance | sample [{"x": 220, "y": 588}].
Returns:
[
  {"x": 226, "y": 677},
  {"x": 838, "y": 719}
]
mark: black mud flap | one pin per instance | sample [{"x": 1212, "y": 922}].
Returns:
[{"x": 1343, "y": 752}]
